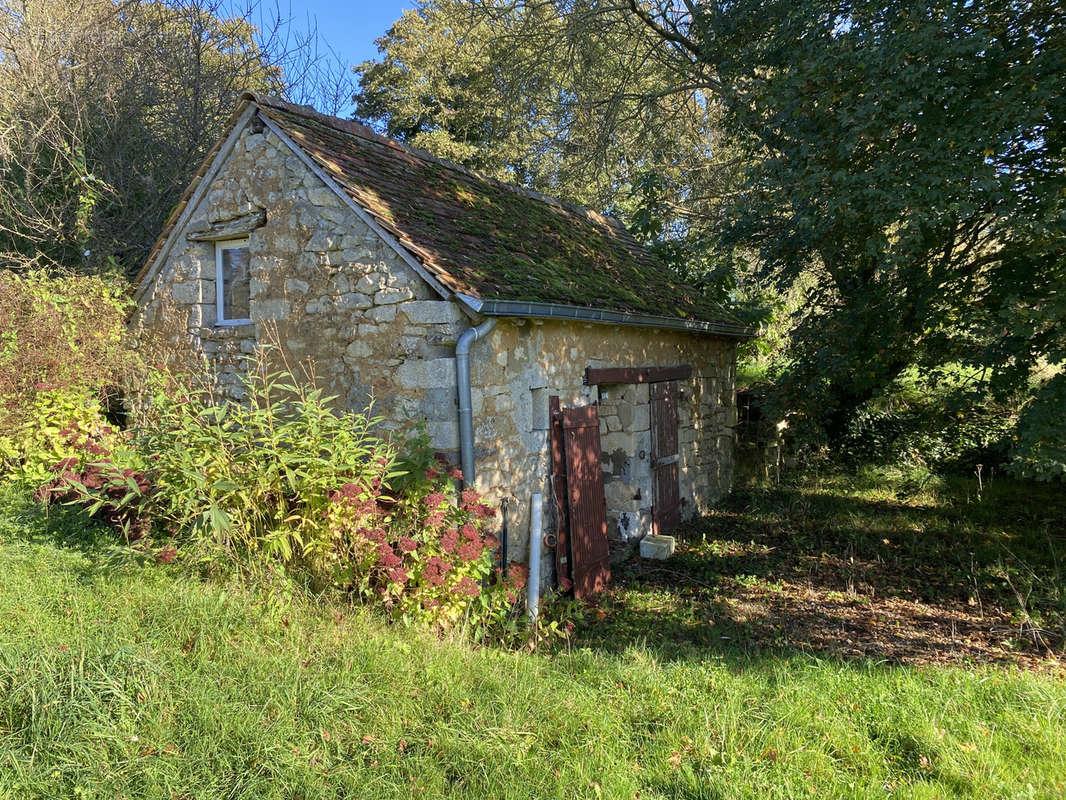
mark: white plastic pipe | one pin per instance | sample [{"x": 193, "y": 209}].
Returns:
[{"x": 536, "y": 524}]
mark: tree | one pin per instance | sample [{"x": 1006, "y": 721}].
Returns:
[
  {"x": 593, "y": 114},
  {"x": 107, "y": 108},
  {"x": 899, "y": 164},
  {"x": 911, "y": 156}
]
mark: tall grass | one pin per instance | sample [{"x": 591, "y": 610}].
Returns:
[{"x": 132, "y": 680}]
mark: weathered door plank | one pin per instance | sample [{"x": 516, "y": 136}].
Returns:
[
  {"x": 586, "y": 504},
  {"x": 563, "y": 558},
  {"x": 665, "y": 454}
]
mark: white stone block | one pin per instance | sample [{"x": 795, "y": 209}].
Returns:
[
  {"x": 381, "y": 313},
  {"x": 657, "y": 547},
  {"x": 270, "y": 309},
  {"x": 353, "y": 300},
  {"x": 432, "y": 312},
  {"x": 426, "y": 373},
  {"x": 321, "y": 196},
  {"x": 296, "y": 285}
]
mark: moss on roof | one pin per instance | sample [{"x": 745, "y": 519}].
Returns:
[{"x": 485, "y": 238}]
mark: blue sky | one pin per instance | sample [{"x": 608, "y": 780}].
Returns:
[{"x": 350, "y": 26}]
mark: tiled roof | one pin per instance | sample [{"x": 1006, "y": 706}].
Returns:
[{"x": 484, "y": 238}]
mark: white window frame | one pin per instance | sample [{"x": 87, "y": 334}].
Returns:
[{"x": 220, "y": 310}]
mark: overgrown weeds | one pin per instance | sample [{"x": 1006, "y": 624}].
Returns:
[{"x": 276, "y": 482}]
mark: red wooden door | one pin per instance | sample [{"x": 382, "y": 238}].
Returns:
[
  {"x": 665, "y": 457},
  {"x": 585, "y": 501}
]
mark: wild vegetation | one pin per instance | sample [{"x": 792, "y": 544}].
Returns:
[
  {"x": 121, "y": 676},
  {"x": 62, "y": 361},
  {"x": 880, "y": 184},
  {"x": 107, "y": 109},
  {"x": 272, "y": 480},
  {"x": 248, "y": 593}
]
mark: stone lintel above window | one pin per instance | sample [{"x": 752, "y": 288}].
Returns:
[{"x": 235, "y": 228}]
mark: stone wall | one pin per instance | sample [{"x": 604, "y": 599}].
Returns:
[
  {"x": 522, "y": 363},
  {"x": 337, "y": 298},
  {"x": 341, "y": 301}
]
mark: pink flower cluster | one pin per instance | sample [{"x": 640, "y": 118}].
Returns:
[
  {"x": 387, "y": 557},
  {"x": 468, "y": 587},
  {"x": 471, "y": 503},
  {"x": 435, "y": 571}
]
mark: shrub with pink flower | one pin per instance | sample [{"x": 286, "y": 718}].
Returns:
[
  {"x": 447, "y": 552},
  {"x": 470, "y": 551},
  {"x": 467, "y": 587},
  {"x": 116, "y": 495},
  {"x": 386, "y": 531},
  {"x": 450, "y": 540}
]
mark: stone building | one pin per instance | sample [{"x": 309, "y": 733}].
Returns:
[{"x": 459, "y": 300}]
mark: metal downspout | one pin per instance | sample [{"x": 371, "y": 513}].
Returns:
[{"x": 466, "y": 412}]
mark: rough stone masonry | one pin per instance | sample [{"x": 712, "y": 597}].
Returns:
[{"x": 336, "y": 295}]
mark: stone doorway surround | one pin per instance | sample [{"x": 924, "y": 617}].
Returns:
[{"x": 626, "y": 445}]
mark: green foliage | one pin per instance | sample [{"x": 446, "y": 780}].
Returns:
[
  {"x": 107, "y": 109},
  {"x": 46, "y": 434},
  {"x": 281, "y": 483},
  {"x": 573, "y": 100},
  {"x": 1040, "y": 441},
  {"x": 912, "y": 160},
  {"x": 118, "y": 678},
  {"x": 943, "y": 420},
  {"x": 61, "y": 356},
  {"x": 255, "y": 476}
]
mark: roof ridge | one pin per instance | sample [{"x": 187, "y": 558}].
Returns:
[{"x": 361, "y": 131}]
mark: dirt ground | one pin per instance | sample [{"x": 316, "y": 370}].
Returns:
[{"x": 858, "y": 570}]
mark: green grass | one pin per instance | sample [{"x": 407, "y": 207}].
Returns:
[
  {"x": 876, "y": 565},
  {"x": 121, "y": 679}
]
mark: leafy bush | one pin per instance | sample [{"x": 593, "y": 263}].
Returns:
[
  {"x": 427, "y": 558},
  {"x": 43, "y": 434},
  {"x": 952, "y": 443},
  {"x": 282, "y": 481},
  {"x": 61, "y": 351},
  {"x": 255, "y": 476},
  {"x": 111, "y": 492},
  {"x": 1039, "y": 447}
]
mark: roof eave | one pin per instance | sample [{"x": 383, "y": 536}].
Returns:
[{"x": 605, "y": 316}]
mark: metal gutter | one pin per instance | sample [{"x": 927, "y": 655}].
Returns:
[
  {"x": 466, "y": 410},
  {"x": 540, "y": 310}
]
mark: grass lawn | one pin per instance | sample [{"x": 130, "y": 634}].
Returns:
[{"x": 706, "y": 677}]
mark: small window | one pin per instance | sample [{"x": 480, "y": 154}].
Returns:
[{"x": 232, "y": 283}]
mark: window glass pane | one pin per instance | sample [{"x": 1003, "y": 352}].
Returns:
[{"x": 235, "y": 283}]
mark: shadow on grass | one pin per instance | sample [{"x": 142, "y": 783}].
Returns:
[
  {"x": 27, "y": 521},
  {"x": 827, "y": 565}
]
